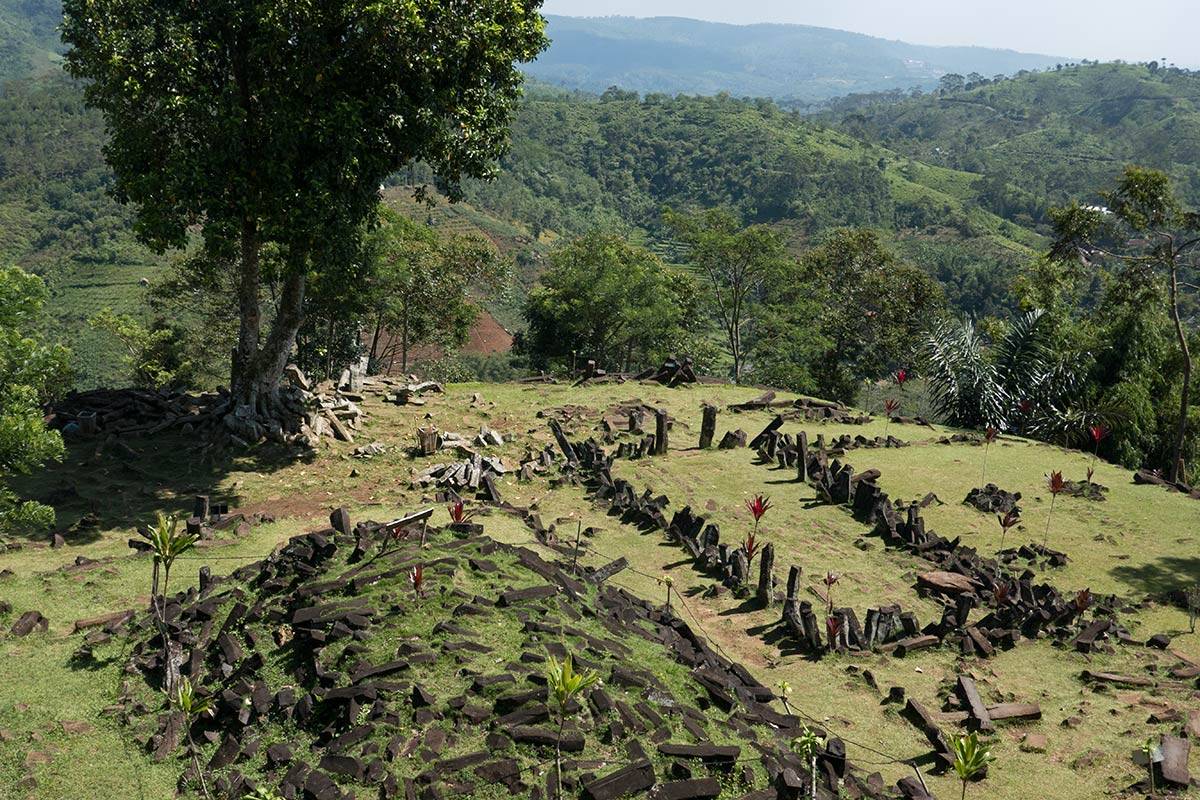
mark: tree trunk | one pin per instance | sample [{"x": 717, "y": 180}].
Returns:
[
  {"x": 375, "y": 340},
  {"x": 278, "y": 347},
  {"x": 404, "y": 345},
  {"x": 250, "y": 327},
  {"x": 257, "y": 408},
  {"x": 1185, "y": 394}
]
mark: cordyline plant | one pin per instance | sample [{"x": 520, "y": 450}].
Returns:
[
  {"x": 808, "y": 745},
  {"x": 901, "y": 378},
  {"x": 263, "y": 793},
  {"x": 1056, "y": 485},
  {"x": 416, "y": 576},
  {"x": 829, "y": 580},
  {"x": 167, "y": 544},
  {"x": 990, "y": 435},
  {"x": 758, "y": 506},
  {"x": 564, "y": 684},
  {"x": 785, "y": 691},
  {"x": 1083, "y": 600},
  {"x": 193, "y": 707},
  {"x": 668, "y": 582},
  {"x": 459, "y": 513},
  {"x": 971, "y": 757},
  {"x": 833, "y": 626},
  {"x": 1007, "y": 521},
  {"x": 1148, "y": 750},
  {"x": 1098, "y": 432},
  {"x": 890, "y": 407},
  {"x": 1001, "y": 593}
]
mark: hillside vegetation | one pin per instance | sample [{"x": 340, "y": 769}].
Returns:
[{"x": 1042, "y": 138}]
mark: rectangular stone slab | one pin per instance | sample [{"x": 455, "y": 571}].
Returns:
[
  {"x": 969, "y": 692},
  {"x": 1174, "y": 765},
  {"x": 626, "y": 781}
]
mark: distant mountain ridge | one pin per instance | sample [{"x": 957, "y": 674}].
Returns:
[
  {"x": 672, "y": 55},
  {"x": 785, "y": 62}
]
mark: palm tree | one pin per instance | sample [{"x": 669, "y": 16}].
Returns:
[
  {"x": 565, "y": 684},
  {"x": 971, "y": 758},
  {"x": 192, "y": 706},
  {"x": 807, "y": 745},
  {"x": 167, "y": 544},
  {"x": 1022, "y": 375}
]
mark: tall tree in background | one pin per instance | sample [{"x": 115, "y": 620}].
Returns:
[
  {"x": 271, "y": 123},
  {"x": 32, "y": 373},
  {"x": 417, "y": 290},
  {"x": 873, "y": 308},
  {"x": 1146, "y": 230},
  {"x": 605, "y": 299},
  {"x": 735, "y": 262}
]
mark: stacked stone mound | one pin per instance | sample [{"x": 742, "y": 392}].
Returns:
[
  {"x": 303, "y": 414},
  {"x": 804, "y": 408},
  {"x": 992, "y": 499},
  {"x": 334, "y": 674},
  {"x": 671, "y": 373}
]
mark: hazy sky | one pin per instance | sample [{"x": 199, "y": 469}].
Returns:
[{"x": 1105, "y": 29}]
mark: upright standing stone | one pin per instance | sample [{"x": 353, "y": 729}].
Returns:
[
  {"x": 793, "y": 586},
  {"x": 802, "y": 456},
  {"x": 766, "y": 564},
  {"x": 200, "y": 508},
  {"x": 708, "y": 427},
  {"x": 660, "y": 431},
  {"x": 635, "y": 420}
]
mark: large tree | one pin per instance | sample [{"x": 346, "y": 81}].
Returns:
[
  {"x": 735, "y": 262},
  {"x": 1144, "y": 229},
  {"x": 271, "y": 124},
  {"x": 873, "y": 308},
  {"x": 606, "y": 299},
  {"x": 419, "y": 287}
]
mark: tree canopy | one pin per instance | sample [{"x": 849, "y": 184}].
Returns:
[
  {"x": 274, "y": 124},
  {"x": 32, "y": 373},
  {"x": 606, "y": 299}
]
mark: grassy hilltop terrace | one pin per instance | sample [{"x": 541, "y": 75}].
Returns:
[{"x": 320, "y": 650}]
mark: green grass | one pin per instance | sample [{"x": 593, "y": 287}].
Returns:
[{"x": 1140, "y": 541}]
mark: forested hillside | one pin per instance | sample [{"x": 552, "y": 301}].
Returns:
[
  {"x": 960, "y": 182},
  {"x": 58, "y": 220},
  {"x": 1042, "y": 138},
  {"x": 29, "y": 42},
  {"x": 578, "y": 163},
  {"x": 787, "y": 62}
]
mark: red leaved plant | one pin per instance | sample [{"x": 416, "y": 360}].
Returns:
[
  {"x": 990, "y": 435},
  {"x": 416, "y": 576},
  {"x": 1007, "y": 521},
  {"x": 833, "y": 626},
  {"x": 901, "y": 377},
  {"x": 890, "y": 407},
  {"x": 829, "y": 580},
  {"x": 1098, "y": 432},
  {"x": 758, "y": 506},
  {"x": 1083, "y": 600},
  {"x": 1056, "y": 485},
  {"x": 458, "y": 513}
]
